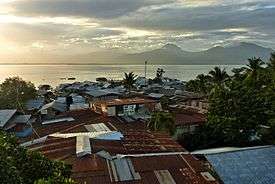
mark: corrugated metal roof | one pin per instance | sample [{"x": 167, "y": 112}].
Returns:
[
  {"x": 126, "y": 101},
  {"x": 99, "y": 92},
  {"x": 136, "y": 140},
  {"x": 189, "y": 118},
  {"x": 5, "y": 116},
  {"x": 55, "y": 105},
  {"x": 98, "y": 127},
  {"x": 21, "y": 119},
  {"x": 251, "y": 166},
  {"x": 83, "y": 146},
  {"x": 34, "y": 104}
]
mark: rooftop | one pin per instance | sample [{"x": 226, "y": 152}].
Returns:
[
  {"x": 252, "y": 165},
  {"x": 106, "y": 161},
  {"x": 189, "y": 118},
  {"x": 126, "y": 101},
  {"x": 5, "y": 116}
]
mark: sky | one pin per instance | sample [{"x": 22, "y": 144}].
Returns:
[{"x": 58, "y": 27}]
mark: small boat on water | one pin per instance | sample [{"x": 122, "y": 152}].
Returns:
[{"x": 71, "y": 78}]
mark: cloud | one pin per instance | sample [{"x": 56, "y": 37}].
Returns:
[
  {"x": 136, "y": 25},
  {"x": 202, "y": 18},
  {"x": 82, "y": 8}
]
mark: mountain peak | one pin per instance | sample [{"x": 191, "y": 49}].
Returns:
[{"x": 170, "y": 46}]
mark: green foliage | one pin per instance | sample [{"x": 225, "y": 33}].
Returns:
[
  {"x": 164, "y": 101},
  {"x": 239, "y": 107},
  {"x": 129, "y": 80},
  {"x": 14, "y": 92},
  {"x": 203, "y": 84},
  {"x": 162, "y": 121},
  {"x": 159, "y": 76},
  {"x": 20, "y": 166},
  {"x": 218, "y": 75}
]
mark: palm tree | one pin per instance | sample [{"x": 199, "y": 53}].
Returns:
[
  {"x": 254, "y": 66},
  {"x": 129, "y": 80},
  {"x": 271, "y": 63},
  {"x": 162, "y": 121},
  {"x": 218, "y": 75}
]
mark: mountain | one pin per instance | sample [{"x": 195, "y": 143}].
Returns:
[
  {"x": 168, "y": 54},
  {"x": 172, "y": 54}
]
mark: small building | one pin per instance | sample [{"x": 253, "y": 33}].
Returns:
[
  {"x": 52, "y": 109},
  {"x": 13, "y": 121},
  {"x": 188, "y": 122},
  {"x": 123, "y": 107},
  {"x": 100, "y": 94},
  {"x": 34, "y": 104}
]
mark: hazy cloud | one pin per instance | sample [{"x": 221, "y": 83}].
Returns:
[
  {"x": 84, "y": 8},
  {"x": 135, "y": 25}
]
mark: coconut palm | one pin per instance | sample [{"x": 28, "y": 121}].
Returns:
[
  {"x": 129, "y": 80},
  {"x": 162, "y": 121},
  {"x": 271, "y": 63},
  {"x": 254, "y": 66},
  {"x": 218, "y": 75}
]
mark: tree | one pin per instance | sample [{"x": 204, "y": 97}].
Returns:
[
  {"x": 272, "y": 61},
  {"x": 254, "y": 68},
  {"x": 15, "y": 92},
  {"x": 201, "y": 84},
  {"x": 239, "y": 108},
  {"x": 164, "y": 101},
  {"x": 129, "y": 80},
  {"x": 218, "y": 75},
  {"x": 159, "y": 75},
  {"x": 45, "y": 87},
  {"x": 162, "y": 121},
  {"x": 19, "y": 165}
]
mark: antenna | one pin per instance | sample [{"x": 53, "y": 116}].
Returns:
[{"x": 145, "y": 71}]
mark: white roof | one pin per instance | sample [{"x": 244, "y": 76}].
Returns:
[
  {"x": 156, "y": 95},
  {"x": 68, "y": 119},
  {"x": 5, "y": 116},
  {"x": 223, "y": 150},
  {"x": 83, "y": 146}
]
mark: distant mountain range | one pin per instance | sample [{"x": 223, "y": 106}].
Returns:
[
  {"x": 172, "y": 54},
  {"x": 168, "y": 54}
]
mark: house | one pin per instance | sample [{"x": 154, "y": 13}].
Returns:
[
  {"x": 123, "y": 107},
  {"x": 13, "y": 121},
  {"x": 77, "y": 102},
  {"x": 34, "y": 104},
  {"x": 101, "y": 94},
  {"x": 50, "y": 110},
  {"x": 105, "y": 150},
  {"x": 188, "y": 122}
]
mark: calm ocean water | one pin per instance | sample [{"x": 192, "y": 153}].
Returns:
[{"x": 53, "y": 74}]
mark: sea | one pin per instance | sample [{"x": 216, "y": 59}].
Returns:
[{"x": 56, "y": 74}]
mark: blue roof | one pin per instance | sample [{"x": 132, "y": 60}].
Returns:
[{"x": 251, "y": 166}]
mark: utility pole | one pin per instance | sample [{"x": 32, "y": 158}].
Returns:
[{"x": 145, "y": 72}]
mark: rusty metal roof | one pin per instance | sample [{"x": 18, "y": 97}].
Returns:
[
  {"x": 93, "y": 168},
  {"x": 126, "y": 101},
  {"x": 186, "y": 119}
]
